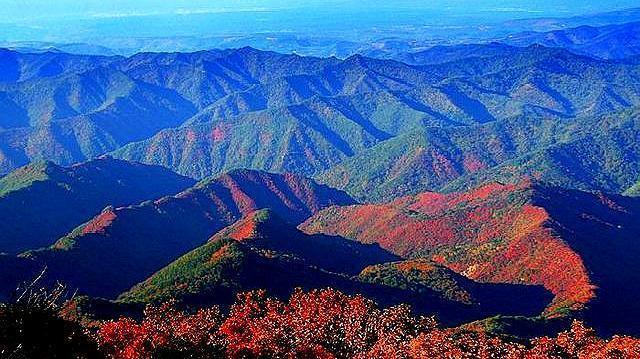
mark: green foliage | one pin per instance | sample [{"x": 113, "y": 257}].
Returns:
[
  {"x": 634, "y": 191},
  {"x": 130, "y": 243},
  {"x": 593, "y": 153},
  {"x": 420, "y": 276},
  {"x": 24, "y": 177},
  {"x": 394, "y": 121},
  {"x": 380, "y": 128},
  {"x": 201, "y": 270}
]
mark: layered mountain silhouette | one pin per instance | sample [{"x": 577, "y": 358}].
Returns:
[
  {"x": 124, "y": 245},
  {"x": 308, "y": 124},
  {"x": 74, "y": 116},
  {"x": 262, "y": 251},
  {"x": 580, "y": 246},
  {"x": 41, "y": 202},
  {"x": 469, "y": 181},
  {"x": 198, "y": 113},
  {"x": 20, "y": 67}
]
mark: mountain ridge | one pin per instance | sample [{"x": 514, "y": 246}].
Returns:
[
  {"x": 261, "y": 251},
  {"x": 140, "y": 239},
  {"x": 517, "y": 233},
  {"x": 41, "y": 202},
  {"x": 153, "y": 100}
]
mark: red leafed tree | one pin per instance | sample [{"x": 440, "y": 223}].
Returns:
[
  {"x": 164, "y": 331},
  {"x": 329, "y": 324},
  {"x": 320, "y": 323}
]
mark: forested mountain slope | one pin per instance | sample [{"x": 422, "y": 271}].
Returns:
[{"x": 41, "y": 202}]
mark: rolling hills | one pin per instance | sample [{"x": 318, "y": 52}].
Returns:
[
  {"x": 124, "y": 245},
  {"x": 41, "y": 202},
  {"x": 581, "y": 246}
]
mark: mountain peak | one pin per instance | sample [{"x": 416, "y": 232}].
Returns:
[
  {"x": 253, "y": 225},
  {"x": 173, "y": 225},
  {"x": 527, "y": 232},
  {"x": 437, "y": 223},
  {"x": 356, "y": 59}
]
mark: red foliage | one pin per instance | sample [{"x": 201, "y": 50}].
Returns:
[
  {"x": 491, "y": 234},
  {"x": 244, "y": 202},
  {"x": 472, "y": 163},
  {"x": 245, "y": 228},
  {"x": 442, "y": 166},
  {"x": 163, "y": 330},
  {"x": 219, "y": 133},
  {"x": 329, "y": 324},
  {"x": 100, "y": 222},
  {"x": 191, "y": 135}
]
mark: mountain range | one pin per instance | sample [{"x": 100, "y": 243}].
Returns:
[
  {"x": 463, "y": 256},
  {"x": 121, "y": 246},
  {"x": 617, "y": 41},
  {"x": 590, "y": 153},
  {"x": 351, "y": 105},
  {"x": 494, "y": 184},
  {"x": 196, "y": 113},
  {"x": 580, "y": 246},
  {"x": 262, "y": 251}
]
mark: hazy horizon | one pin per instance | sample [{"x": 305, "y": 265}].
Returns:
[{"x": 111, "y": 24}]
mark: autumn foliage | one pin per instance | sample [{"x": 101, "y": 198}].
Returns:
[
  {"x": 494, "y": 233},
  {"x": 329, "y": 324}
]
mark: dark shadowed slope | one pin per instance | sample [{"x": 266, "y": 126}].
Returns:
[
  {"x": 262, "y": 252},
  {"x": 580, "y": 246},
  {"x": 41, "y": 202},
  {"x": 122, "y": 246},
  {"x": 15, "y": 271},
  {"x": 217, "y": 267}
]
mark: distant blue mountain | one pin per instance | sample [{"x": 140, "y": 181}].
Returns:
[{"x": 607, "y": 42}]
